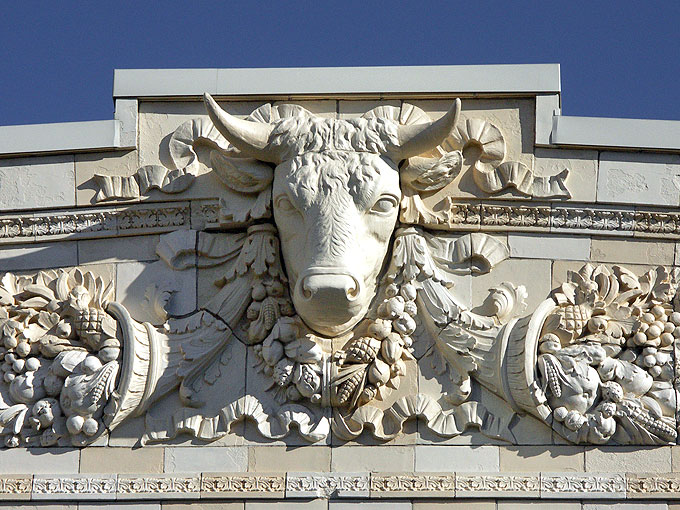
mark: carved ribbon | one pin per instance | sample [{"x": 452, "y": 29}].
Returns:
[{"x": 513, "y": 174}]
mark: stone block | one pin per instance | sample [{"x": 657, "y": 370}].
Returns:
[
  {"x": 39, "y": 461},
  {"x": 144, "y": 486},
  {"x": 188, "y": 459},
  {"x": 542, "y": 458},
  {"x": 594, "y": 219},
  {"x": 40, "y": 506},
  {"x": 126, "y": 505},
  {"x": 457, "y": 458},
  {"x": 74, "y": 487},
  {"x": 382, "y": 459},
  {"x": 327, "y": 485},
  {"x": 591, "y": 485},
  {"x": 203, "y": 505},
  {"x": 119, "y": 249},
  {"x": 629, "y": 251},
  {"x": 413, "y": 485},
  {"x": 629, "y": 459},
  {"x": 488, "y": 504},
  {"x": 356, "y": 108},
  {"x": 539, "y": 505},
  {"x": 653, "y": 486},
  {"x": 121, "y": 460},
  {"x": 582, "y": 166},
  {"x": 501, "y": 485},
  {"x": 638, "y": 178},
  {"x": 514, "y": 118},
  {"x": 243, "y": 485},
  {"x": 134, "y": 279},
  {"x": 321, "y": 107},
  {"x": 646, "y": 505},
  {"x": 16, "y": 487},
  {"x": 675, "y": 459},
  {"x": 265, "y": 459},
  {"x": 109, "y": 163},
  {"x": 316, "y": 504},
  {"x": 552, "y": 247},
  {"x": 370, "y": 505},
  {"x": 33, "y": 183},
  {"x": 533, "y": 274},
  {"x": 38, "y": 256}
]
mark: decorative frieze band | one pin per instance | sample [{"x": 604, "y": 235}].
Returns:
[
  {"x": 581, "y": 219},
  {"x": 88, "y": 223},
  {"x": 327, "y": 485},
  {"x": 572, "y": 485},
  {"x": 490, "y": 216}
]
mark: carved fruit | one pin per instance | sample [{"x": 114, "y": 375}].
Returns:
[
  {"x": 75, "y": 424},
  {"x": 259, "y": 292},
  {"x": 363, "y": 350},
  {"x": 404, "y": 325},
  {"x": 90, "y": 427},
  {"x": 378, "y": 372},
  {"x": 411, "y": 308},
  {"x": 347, "y": 388},
  {"x": 573, "y": 318},
  {"x": 368, "y": 394},
  {"x": 260, "y": 327},
  {"x": 408, "y": 292},
  {"x": 391, "y": 348},
  {"x": 283, "y": 372},
  {"x": 292, "y": 393},
  {"x": 272, "y": 352},
  {"x": 380, "y": 328},
  {"x": 308, "y": 381}
]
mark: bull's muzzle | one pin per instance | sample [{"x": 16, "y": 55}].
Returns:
[{"x": 327, "y": 299}]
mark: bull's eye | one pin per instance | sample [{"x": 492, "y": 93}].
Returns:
[
  {"x": 284, "y": 204},
  {"x": 384, "y": 205}
]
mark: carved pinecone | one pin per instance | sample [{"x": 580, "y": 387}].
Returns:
[
  {"x": 89, "y": 322},
  {"x": 573, "y": 318},
  {"x": 363, "y": 350},
  {"x": 347, "y": 388}
]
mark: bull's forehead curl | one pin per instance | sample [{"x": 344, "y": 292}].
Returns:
[
  {"x": 298, "y": 135},
  {"x": 314, "y": 177}
]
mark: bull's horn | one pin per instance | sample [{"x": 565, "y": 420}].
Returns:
[
  {"x": 419, "y": 138},
  {"x": 251, "y": 138}
]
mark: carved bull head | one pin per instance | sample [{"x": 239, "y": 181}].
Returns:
[{"x": 336, "y": 198}]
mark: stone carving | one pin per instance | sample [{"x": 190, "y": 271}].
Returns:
[
  {"x": 83, "y": 487},
  {"x": 606, "y": 356},
  {"x": 412, "y": 484},
  {"x": 130, "y": 486},
  {"x": 324, "y": 485},
  {"x": 329, "y": 304},
  {"x": 217, "y": 486},
  {"x": 60, "y": 357},
  {"x": 593, "y": 485}
]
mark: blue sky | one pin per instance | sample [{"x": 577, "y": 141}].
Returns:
[{"x": 619, "y": 59}]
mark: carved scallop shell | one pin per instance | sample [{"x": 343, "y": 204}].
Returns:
[{"x": 479, "y": 140}]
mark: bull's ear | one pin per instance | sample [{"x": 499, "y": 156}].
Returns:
[
  {"x": 242, "y": 175},
  {"x": 251, "y": 138},
  {"x": 432, "y": 174},
  {"x": 416, "y": 139}
]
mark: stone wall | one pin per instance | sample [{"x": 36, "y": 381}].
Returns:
[{"x": 175, "y": 398}]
